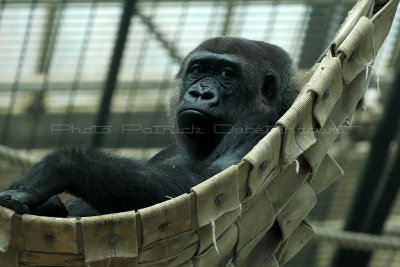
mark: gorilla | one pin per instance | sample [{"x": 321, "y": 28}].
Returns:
[{"x": 229, "y": 88}]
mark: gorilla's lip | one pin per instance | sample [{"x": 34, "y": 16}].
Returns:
[
  {"x": 195, "y": 123},
  {"x": 195, "y": 111}
]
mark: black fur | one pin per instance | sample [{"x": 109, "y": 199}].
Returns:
[{"x": 225, "y": 84}]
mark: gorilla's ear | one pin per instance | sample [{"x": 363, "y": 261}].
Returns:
[{"x": 270, "y": 86}]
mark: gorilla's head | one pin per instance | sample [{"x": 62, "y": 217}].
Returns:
[{"x": 228, "y": 80}]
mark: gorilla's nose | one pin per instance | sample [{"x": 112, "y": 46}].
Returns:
[{"x": 204, "y": 93}]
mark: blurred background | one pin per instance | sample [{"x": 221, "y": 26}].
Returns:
[{"x": 98, "y": 73}]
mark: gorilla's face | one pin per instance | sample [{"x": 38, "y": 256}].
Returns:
[
  {"x": 227, "y": 80},
  {"x": 209, "y": 93}
]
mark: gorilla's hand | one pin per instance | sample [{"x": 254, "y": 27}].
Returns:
[
  {"x": 35, "y": 187},
  {"x": 23, "y": 202},
  {"x": 20, "y": 200}
]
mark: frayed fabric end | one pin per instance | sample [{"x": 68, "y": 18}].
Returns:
[
  {"x": 214, "y": 236},
  {"x": 369, "y": 66}
]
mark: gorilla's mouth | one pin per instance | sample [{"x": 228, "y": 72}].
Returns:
[{"x": 195, "y": 123}]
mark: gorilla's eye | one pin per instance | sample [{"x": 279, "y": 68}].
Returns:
[
  {"x": 227, "y": 72},
  {"x": 196, "y": 68}
]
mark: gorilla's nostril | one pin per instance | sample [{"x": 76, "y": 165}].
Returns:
[
  {"x": 194, "y": 94},
  {"x": 207, "y": 95}
]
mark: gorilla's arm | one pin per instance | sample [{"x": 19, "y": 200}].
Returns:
[{"x": 107, "y": 182}]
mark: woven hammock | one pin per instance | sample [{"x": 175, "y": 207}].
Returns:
[{"x": 250, "y": 214}]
